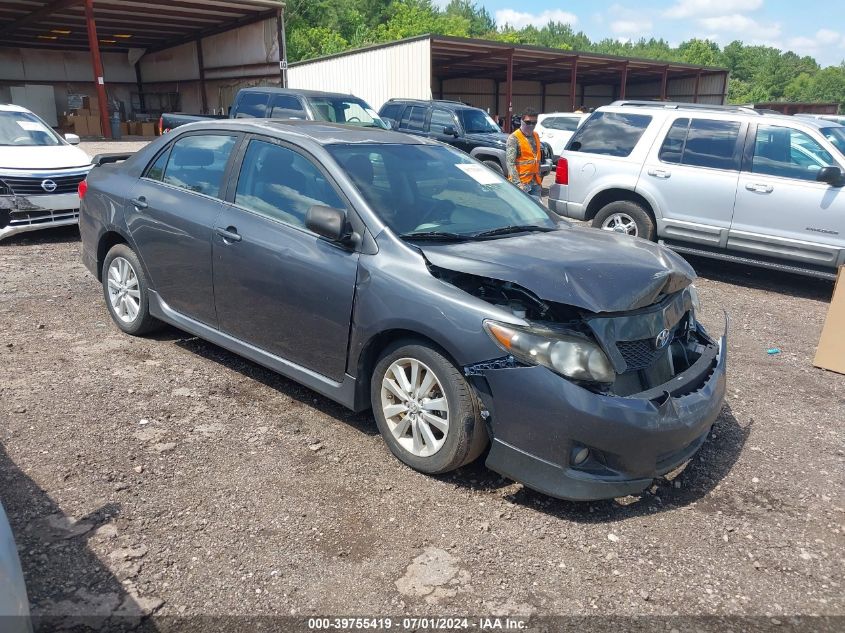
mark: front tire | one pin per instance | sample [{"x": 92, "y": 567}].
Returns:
[
  {"x": 425, "y": 410},
  {"x": 125, "y": 291},
  {"x": 625, "y": 216}
]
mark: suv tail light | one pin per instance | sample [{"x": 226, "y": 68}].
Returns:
[
  {"x": 82, "y": 188},
  {"x": 562, "y": 172}
]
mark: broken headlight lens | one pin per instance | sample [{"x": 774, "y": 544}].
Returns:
[{"x": 569, "y": 355}]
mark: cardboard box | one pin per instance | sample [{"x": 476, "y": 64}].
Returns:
[
  {"x": 83, "y": 112},
  {"x": 137, "y": 128},
  {"x": 124, "y": 129},
  {"x": 148, "y": 129},
  {"x": 830, "y": 353},
  {"x": 86, "y": 103},
  {"x": 80, "y": 125},
  {"x": 94, "y": 126}
]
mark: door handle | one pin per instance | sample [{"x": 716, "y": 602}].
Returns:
[
  {"x": 659, "y": 173},
  {"x": 229, "y": 234},
  {"x": 140, "y": 202},
  {"x": 759, "y": 188}
]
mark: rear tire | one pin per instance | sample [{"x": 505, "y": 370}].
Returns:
[
  {"x": 628, "y": 217},
  {"x": 125, "y": 291},
  {"x": 425, "y": 410}
]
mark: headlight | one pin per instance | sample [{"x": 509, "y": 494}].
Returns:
[{"x": 566, "y": 354}]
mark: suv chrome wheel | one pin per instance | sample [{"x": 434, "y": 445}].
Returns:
[
  {"x": 124, "y": 293},
  {"x": 415, "y": 407},
  {"x": 620, "y": 223}
]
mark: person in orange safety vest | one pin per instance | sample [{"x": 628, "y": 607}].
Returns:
[{"x": 524, "y": 154}]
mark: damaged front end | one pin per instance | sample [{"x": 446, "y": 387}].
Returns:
[
  {"x": 33, "y": 202},
  {"x": 586, "y": 405}
]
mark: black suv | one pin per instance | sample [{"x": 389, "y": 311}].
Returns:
[{"x": 458, "y": 124}]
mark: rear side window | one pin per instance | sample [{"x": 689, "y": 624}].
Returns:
[
  {"x": 413, "y": 118},
  {"x": 252, "y": 105},
  {"x": 702, "y": 143},
  {"x": 286, "y": 107},
  {"x": 197, "y": 163},
  {"x": 609, "y": 133},
  {"x": 156, "y": 170},
  {"x": 567, "y": 124}
]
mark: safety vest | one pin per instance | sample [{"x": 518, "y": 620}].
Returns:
[{"x": 528, "y": 162}]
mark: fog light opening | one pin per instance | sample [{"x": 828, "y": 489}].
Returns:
[{"x": 580, "y": 455}]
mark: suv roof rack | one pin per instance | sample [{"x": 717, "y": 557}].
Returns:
[{"x": 678, "y": 105}]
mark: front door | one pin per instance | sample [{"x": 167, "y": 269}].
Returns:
[
  {"x": 692, "y": 174},
  {"x": 277, "y": 285},
  {"x": 170, "y": 216},
  {"x": 781, "y": 210}
]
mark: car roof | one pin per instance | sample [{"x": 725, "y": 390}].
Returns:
[
  {"x": 320, "y": 132},
  {"x": 444, "y": 103},
  {"x": 11, "y": 107},
  {"x": 299, "y": 92}
]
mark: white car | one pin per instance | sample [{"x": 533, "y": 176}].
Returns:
[
  {"x": 556, "y": 128},
  {"x": 39, "y": 173}
]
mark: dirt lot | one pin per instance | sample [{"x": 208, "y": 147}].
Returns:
[{"x": 167, "y": 475}]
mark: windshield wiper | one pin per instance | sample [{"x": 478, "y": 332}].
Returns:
[
  {"x": 436, "y": 235},
  {"x": 507, "y": 230}
]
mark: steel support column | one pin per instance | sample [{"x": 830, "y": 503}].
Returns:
[
  {"x": 624, "y": 80},
  {"x": 97, "y": 66},
  {"x": 509, "y": 94},
  {"x": 724, "y": 88},
  {"x": 283, "y": 47},
  {"x": 697, "y": 82},
  {"x": 201, "y": 65},
  {"x": 573, "y": 84},
  {"x": 542, "y": 96},
  {"x": 142, "y": 102},
  {"x": 663, "y": 83}
]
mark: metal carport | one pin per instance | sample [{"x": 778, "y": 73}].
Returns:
[{"x": 121, "y": 25}]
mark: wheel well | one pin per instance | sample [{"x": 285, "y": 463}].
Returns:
[
  {"x": 109, "y": 239},
  {"x": 614, "y": 195},
  {"x": 372, "y": 351}
]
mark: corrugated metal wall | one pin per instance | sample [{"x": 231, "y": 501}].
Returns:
[{"x": 403, "y": 70}]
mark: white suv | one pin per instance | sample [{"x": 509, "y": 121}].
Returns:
[
  {"x": 39, "y": 173},
  {"x": 556, "y": 128},
  {"x": 718, "y": 181}
]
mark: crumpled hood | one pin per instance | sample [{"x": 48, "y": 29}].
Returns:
[
  {"x": 490, "y": 138},
  {"x": 590, "y": 269},
  {"x": 42, "y": 157}
]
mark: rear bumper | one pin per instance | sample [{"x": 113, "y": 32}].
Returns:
[
  {"x": 539, "y": 421},
  {"x": 19, "y": 214},
  {"x": 558, "y": 202}
]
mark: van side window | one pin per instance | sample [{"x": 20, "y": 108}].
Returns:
[
  {"x": 281, "y": 184},
  {"x": 197, "y": 163},
  {"x": 788, "y": 153}
]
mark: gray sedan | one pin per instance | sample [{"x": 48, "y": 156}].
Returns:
[{"x": 395, "y": 273}]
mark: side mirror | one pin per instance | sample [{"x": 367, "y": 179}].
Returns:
[
  {"x": 449, "y": 130},
  {"x": 73, "y": 139},
  {"x": 831, "y": 175},
  {"x": 328, "y": 222}
]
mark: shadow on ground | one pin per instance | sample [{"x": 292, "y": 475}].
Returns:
[
  {"x": 56, "y": 235},
  {"x": 69, "y": 588}
]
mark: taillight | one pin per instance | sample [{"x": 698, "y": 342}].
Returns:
[
  {"x": 562, "y": 172},
  {"x": 160, "y": 125},
  {"x": 82, "y": 188}
]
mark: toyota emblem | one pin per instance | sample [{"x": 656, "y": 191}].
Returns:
[
  {"x": 662, "y": 339},
  {"x": 48, "y": 185}
]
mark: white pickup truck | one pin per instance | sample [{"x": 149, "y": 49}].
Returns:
[{"x": 39, "y": 173}]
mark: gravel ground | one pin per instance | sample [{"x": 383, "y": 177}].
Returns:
[{"x": 167, "y": 475}]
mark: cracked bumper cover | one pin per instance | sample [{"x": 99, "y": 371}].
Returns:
[
  {"x": 19, "y": 214},
  {"x": 537, "y": 418}
]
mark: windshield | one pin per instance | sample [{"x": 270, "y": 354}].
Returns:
[
  {"x": 346, "y": 110},
  {"x": 26, "y": 130},
  {"x": 427, "y": 189},
  {"x": 835, "y": 135},
  {"x": 477, "y": 122}
]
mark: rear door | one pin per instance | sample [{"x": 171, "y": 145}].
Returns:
[
  {"x": 781, "y": 210},
  {"x": 277, "y": 285},
  {"x": 692, "y": 175},
  {"x": 170, "y": 216}
]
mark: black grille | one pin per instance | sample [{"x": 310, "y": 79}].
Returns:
[
  {"x": 31, "y": 186},
  {"x": 639, "y": 354}
]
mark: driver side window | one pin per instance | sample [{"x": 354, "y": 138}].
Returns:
[{"x": 787, "y": 153}]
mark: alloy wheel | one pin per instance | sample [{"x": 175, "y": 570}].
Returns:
[
  {"x": 620, "y": 223},
  {"x": 124, "y": 293},
  {"x": 415, "y": 407}
]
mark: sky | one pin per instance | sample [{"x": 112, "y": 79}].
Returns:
[{"x": 807, "y": 27}]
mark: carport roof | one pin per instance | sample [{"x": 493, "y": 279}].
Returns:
[{"x": 125, "y": 24}]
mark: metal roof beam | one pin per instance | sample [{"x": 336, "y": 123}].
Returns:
[
  {"x": 228, "y": 26},
  {"x": 49, "y": 9}
]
